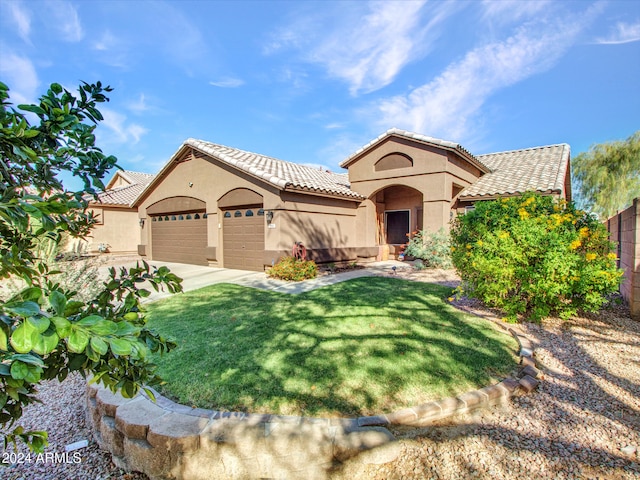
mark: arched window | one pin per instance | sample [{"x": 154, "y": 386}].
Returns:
[
  {"x": 227, "y": 214},
  {"x": 181, "y": 217},
  {"x": 166, "y": 218},
  {"x": 189, "y": 216},
  {"x": 261, "y": 212},
  {"x": 205, "y": 215},
  {"x": 196, "y": 216},
  {"x": 393, "y": 161},
  {"x": 173, "y": 218},
  {"x": 248, "y": 213},
  {"x": 238, "y": 213}
]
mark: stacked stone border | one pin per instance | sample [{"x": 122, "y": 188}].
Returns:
[{"x": 166, "y": 440}]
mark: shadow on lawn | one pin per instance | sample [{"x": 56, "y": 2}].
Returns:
[
  {"x": 584, "y": 412},
  {"x": 330, "y": 351}
]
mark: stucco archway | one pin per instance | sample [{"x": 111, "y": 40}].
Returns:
[{"x": 398, "y": 212}]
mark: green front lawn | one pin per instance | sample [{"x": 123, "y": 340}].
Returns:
[{"x": 360, "y": 347}]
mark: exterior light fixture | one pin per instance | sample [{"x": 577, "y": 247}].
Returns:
[
  {"x": 141, "y": 222},
  {"x": 269, "y": 216}
]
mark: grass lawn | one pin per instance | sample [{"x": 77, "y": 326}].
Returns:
[{"x": 365, "y": 346}]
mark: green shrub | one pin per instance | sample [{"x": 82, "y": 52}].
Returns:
[
  {"x": 292, "y": 269},
  {"x": 534, "y": 256},
  {"x": 432, "y": 248}
]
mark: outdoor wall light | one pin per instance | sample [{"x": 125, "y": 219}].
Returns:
[
  {"x": 269, "y": 216},
  {"x": 141, "y": 222}
]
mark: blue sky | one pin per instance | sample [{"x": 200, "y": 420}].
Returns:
[{"x": 311, "y": 82}]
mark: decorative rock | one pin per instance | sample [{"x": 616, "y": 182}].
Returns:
[
  {"x": 111, "y": 438},
  {"x": 351, "y": 444},
  {"x": 175, "y": 432},
  {"x": 528, "y": 383},
  {"x": 629, "y": 449},
  {"x": 142, "y": 457},
  {"x": 528, "y": 370},
  {"x": 107, "y": 402},
  {"x": 373, "y": 421},
  {"x": 133, "y": 418}
]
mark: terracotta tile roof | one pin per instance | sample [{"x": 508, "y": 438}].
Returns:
[
  {"x": 127, "y": 194},
  {"x": 282, "y": 174},
  {"x": 541, "y": 169},
  {"x": 420, "y": 138}
]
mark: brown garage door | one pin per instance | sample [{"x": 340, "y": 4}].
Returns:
[
  {"x": 180, "y": 237},
  {"x": 243, "y": 231}
]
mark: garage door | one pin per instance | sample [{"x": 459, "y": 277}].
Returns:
[
  {"x": 180, "y": 237},
  {"x": 243, "y": 233}
]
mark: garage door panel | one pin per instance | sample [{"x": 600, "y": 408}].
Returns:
[
  {"x": 243, "y": 240},
  {"x": 180, "y": 241}
]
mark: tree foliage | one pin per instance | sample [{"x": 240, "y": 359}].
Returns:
[
  {"x": 45, "y": 331},
  {"x": 534, "y": 256},
  {"x": 608, "y": 175}
]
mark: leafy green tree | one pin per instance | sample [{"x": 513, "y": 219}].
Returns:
[
  {"x": 45, "y": 331},
  {"x": 534, "y": 256},
  {"x": 608, "y": 175}
]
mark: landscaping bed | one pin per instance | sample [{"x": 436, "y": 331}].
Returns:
[{"x": 355, "y": 348}]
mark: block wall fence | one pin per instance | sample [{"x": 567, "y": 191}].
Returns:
[{"x": 624, "y": 230}]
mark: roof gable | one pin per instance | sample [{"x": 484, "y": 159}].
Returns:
[
  {"x": 133, "y": 183},
  {"x": 418, "y": 138}
]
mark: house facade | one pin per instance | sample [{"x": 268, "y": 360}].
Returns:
[
  {"x": 117, "y": 229},
  {"x": 221, "y": 206}
]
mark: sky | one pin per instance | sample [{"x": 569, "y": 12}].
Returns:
[{"x": 311, "y": 82}]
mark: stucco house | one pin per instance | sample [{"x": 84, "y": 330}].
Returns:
[
  {"x": 117, "y": 227},
  {"x": 221, "y": 206}
]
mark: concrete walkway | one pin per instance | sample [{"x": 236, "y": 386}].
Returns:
[{"x": 196, "y": 276}]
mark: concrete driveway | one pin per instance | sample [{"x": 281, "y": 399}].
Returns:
[{"x": 196, "y": 276}]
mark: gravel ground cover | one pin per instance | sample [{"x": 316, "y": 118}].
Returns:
[{"x": 583, "y": 422}]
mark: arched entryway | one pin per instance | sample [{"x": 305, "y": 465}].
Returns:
[{"x": 399, "y": 212}]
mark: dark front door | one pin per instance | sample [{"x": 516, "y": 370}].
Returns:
[{"x": 397, "y": 226}]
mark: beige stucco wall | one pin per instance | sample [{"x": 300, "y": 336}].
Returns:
[
  {"x": 118, "y": 228},
  {"x": 434, "y": 174},
  {"x": 317, "y": 222}
]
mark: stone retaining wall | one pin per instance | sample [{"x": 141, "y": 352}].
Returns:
[{"x": 166, "y": 440}]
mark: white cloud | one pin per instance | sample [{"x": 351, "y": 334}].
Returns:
[
  {"x": 228, "y": 82},
  {"x": 121, "y": 131},
  {"x": 21, "y": 77},
  {"x": 140, "y": 105},
  {"x": 505, "y": 11},
  {"x": 106, "y": 42},
  {"x": 66, "y": 20},
  {"x": 448, "y": 105},
  {"x": 20, "y": 19},
  {"x": 623, "y": 33},
  {"x": 366, "y": 46}
]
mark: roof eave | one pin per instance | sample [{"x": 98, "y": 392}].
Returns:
[
  {"x": 160, "y": 175},
  {"x": 494, "y": 196},
  {"x": 322, "y": 193}
]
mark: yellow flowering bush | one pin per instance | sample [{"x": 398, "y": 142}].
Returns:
[{"x": 534, "y": 256}]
